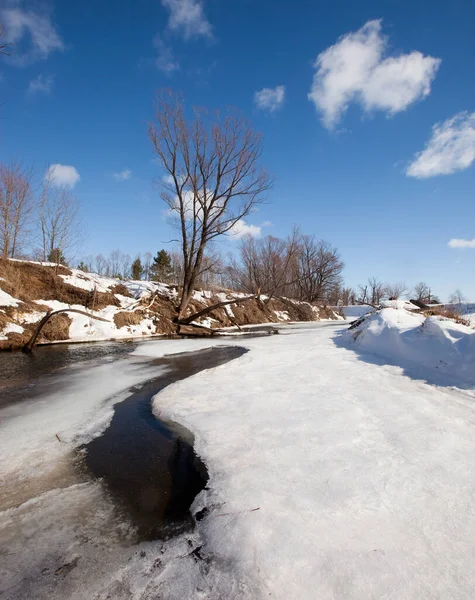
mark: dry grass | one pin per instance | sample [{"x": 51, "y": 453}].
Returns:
[
  {"x": 29, "y": 282},
  {"x": 448, "y": 313},
  {"x": 57, "y": 328},
  {"x": 125, "y": 318},
  {"x": 120, "y": 289}
]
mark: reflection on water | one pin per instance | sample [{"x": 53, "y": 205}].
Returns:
[
  {"x": 150, "y": 466},
  {"x": 23, "y": 376}
]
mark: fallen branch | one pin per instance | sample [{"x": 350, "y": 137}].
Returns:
[
  {"x": 29, "y": 345},
  {"x": 208, "y": 309},
  {"x": 240, "y": 512}
]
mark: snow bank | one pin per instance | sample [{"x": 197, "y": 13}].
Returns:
[
  {"x": 330, "y": 477},
  {"x": 411, "y": 340},
  {"x": 7, "y": 300},
  {"x": 363, "y": 478}
]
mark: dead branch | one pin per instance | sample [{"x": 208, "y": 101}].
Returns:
[
  {"x": 29, "y": 345},
  {"x": 208, "y": 309}
]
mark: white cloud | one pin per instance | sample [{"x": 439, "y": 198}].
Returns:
[
  {"x": 187, "y": 17},
  {"x": 60, "y": 175},
  {"x": 43, "y": 38},
  {"x": 451, "y": 148},
  {"x": 43, "y": 84},
  {"x": 458, "y": 243},
  {"x": 168, "y": 179},
  {"x": 270, "y": 98},
  {"x": 267, "y": 224},
  {"x": 122, "y": 175},
  {"x": 165, "y": 60},
  {"x": 354, "y": 70},
  {"x": 241, "y": 229}
]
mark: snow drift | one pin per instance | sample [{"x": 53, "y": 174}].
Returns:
[{"x": 410, "y": 339}]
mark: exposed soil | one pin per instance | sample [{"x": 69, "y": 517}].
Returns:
[{"x": 29, "y": 283}]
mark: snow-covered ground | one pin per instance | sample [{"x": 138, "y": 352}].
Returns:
[
  {"x": 435, "y": 348},
  {"x": 362, "y": 477}
]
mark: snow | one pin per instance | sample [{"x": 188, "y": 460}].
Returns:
[
  {"x": 141, "y": 289},
  {"x": 11, "y": 328},
  {"x": 443, "y": 349},
  {"x": 7, "y": 300},
  {"x": 86, "y": 328},
  {"x": 361, "y": 474},
  {"x": 282, "y": 315},
  {"x": 399, "y": 304},
  {"x": 202, "y": 295},
  {"x": 32, "y": 317}
]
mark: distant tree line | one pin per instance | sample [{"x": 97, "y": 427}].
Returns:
[{"x": 38, "y": 219}]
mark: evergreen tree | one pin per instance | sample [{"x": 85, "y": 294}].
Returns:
[
  {"x": 83, "y": 267},
  {"x": 137, "y": 268},
  {"x": 56, "y": 256},
  {"x": 161, "y": 268}
]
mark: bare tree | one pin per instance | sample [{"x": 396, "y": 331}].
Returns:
[
  {"x": 177, "y": 269},
  {"x": 115, "y": 260},
  {"x": 126, "y": 265},
  {"x": 101, "y": 265},
  {"x": 363, "y": 294},
  {"x": 457, "y": 297},
  {"x": 4, "y": 46},
  {"x": 16, "y": 206},
  {"x": 266, "y": 265},
  {"x": 147, "y": 263},
  {"x": 213, "y": 178},
  {"x": 423, "y": 293},
  {"x": 395, "y": 290},
  {"x": 376, "y": 290},
  {"x": 319, "y": 268},
  {"x": 59, "y": 225}
]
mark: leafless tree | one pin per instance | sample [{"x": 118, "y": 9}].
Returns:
[
  {"x": 147, "y": 263},
  {"x": 213, "y": 178},
  {"x": 376, "y": 290},
  {"x": 101, "y": 265},
  {"x": 363, "y": 293},
  {"x": 16, "y": 206},
  {"x": 177, "y": 269},
  {"x": 266, "y": 265},
  {"x": 126, "y": 264},
  {"x": 371, "y": 292},
  {"x": 395, "y": 290},
  {"x": 115, "y": 259},
  {"x": 319, "y": 268},
  {"x": 89, "y": 263},
  {"x": 4, "y": 47},
  {"x": 423, "y": 293},
  {"x": 457, "y": 297},
  {"x": 59, "y": 224}
]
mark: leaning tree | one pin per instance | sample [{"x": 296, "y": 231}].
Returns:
[{"x": 213, "y": 179}]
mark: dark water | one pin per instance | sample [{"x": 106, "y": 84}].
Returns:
[
  {"x": 23, "y": 376},
  {"x": 147, "y": 465}
]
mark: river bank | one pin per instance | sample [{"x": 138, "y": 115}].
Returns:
[{"x": 114, "y": 309}]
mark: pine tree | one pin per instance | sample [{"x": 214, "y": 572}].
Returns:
[
  {"x": 137, "y": 268},
  {"x": 56, "y": 256},
  {"x": 161, "y": 268},
  {"x": 83, "y": 267}
]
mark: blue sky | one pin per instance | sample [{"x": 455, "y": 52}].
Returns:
[{"x": 79, "y": 91}]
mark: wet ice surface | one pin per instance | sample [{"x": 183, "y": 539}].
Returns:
[
  {"x": 148, "y": 465},
  {"x": 61, "y": 530}
]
